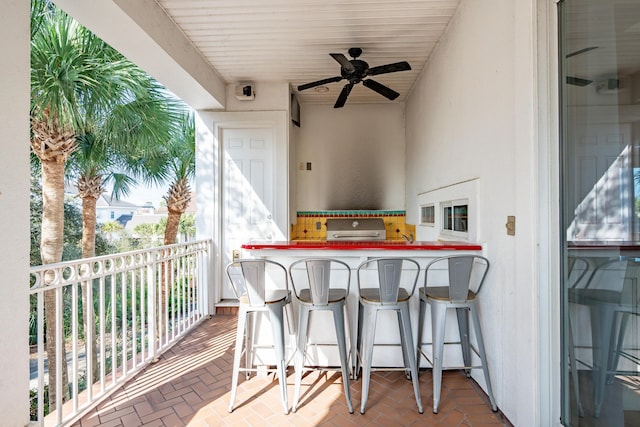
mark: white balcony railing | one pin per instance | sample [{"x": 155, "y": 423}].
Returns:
[{"x": 142, "y": 303}]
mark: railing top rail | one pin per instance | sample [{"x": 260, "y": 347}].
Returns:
[{"x": 73, "y": 271}]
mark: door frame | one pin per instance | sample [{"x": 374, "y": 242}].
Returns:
[{"x": 277, "y": 121}]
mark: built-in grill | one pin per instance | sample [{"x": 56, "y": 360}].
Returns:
[{"x": 355, "y": 229}]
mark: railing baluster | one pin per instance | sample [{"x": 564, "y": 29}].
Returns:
[
  {"x": 41, "y": 355},
  {"x": 134, "y": 319},
  {"x": 123, "y": 323},
  {"x": 89, "y": 333},
  {"x": 114, "y": 349},
  {"x": 151, "y": 285},
  {"x": 101, "y": 323},
  {"x": 74, "y": 345},
  {"x": 59, "y": 334}
]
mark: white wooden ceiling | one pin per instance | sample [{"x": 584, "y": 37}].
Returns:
[{"x": 290, "y": 40}]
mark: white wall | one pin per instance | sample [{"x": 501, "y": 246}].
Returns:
[
  {"x": 470, "y": 117},
  {"x": 14, "y": 208},
  {"x": 356, "y": 154}
]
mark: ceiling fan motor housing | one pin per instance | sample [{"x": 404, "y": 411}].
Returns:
[{"x": 359, "y": 72}]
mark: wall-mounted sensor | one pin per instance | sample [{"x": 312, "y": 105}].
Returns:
[{"x": 244, "y": 91}]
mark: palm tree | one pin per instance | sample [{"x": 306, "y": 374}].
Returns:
[
  {"x": 182, "y": 166},
  {"x": 174, "y": 162},
  {"x": 74, "y": 75},
  {"x": 113, "y": 152}
]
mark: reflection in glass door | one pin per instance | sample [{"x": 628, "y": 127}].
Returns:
[{"x": 600, "y": 189}]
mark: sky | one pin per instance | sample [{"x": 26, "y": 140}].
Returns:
[{"x": 140, "y": 194}]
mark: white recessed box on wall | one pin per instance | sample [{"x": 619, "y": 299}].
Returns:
[{"x": 460, "y": 196}]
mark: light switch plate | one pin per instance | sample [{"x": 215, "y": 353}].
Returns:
[{"x": 511, "y": 225}]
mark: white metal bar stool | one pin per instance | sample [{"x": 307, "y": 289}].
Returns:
[
  {"x": 460, "y": 271},
  {"x": 316, "y": 291},
  {"x": 385, "y": 292},
  {"x": 249, "y": 280},
  {"x": 611, "y": 291}
]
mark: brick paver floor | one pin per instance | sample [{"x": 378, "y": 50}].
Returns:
[{"x": 190, "y": 384}]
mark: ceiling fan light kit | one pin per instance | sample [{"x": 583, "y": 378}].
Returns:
[{"x": 357, "y": 71}]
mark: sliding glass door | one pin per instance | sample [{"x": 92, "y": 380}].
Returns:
[{"x": 600, "y": 198}]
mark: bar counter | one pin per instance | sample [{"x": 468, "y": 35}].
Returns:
[{"x": 353, "y": 253}]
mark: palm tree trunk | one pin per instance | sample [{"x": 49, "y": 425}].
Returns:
[
  {"x": 173, "y": 223},
  {"x": 88, "y": 251},
  {"x": 51, "y": 245},
  {"x": 170, "y": 237}
]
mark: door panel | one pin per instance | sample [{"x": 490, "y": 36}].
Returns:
[
  {"x": 247, "y": 180},
  {"x": 602, "y": 195}
]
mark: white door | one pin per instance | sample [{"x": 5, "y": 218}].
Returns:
[
  {"x": 604, "y": 191},
  {"x": 247, "y": 197}
]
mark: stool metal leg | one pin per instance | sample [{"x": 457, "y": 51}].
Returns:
[
  {"x": 574, "y": 371},
  {"x": 366, "y": 350},
  {"x": 301, "y": 351},
  {"x": 483, "y": 354},
  {"x": 438, "y": 316},
  {"x": 421, "y": 314},
  {"x": 356, "y": 370},
  {"x": 463, "y": 326},
  {"x": 405, "y": 331},
  {"x": 403, "y": 346},
  {"x": 338, "y": 320},
  {"x": 240, "y": 336},
  {"x": 347, "y": 329},
  {"x": 276, "y": 313}
]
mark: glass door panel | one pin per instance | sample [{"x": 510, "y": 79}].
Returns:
[{"x": 600, "y": 194}]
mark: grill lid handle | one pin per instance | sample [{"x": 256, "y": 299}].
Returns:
[{"x": 339, "y": 235}]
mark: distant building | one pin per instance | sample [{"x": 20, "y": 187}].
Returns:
[{"x": 110, "y": 209}]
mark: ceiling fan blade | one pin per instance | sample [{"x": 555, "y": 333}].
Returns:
[
  {"x": 346, "y": 90},
  {"x": 578, "y": 52},
  {"x": 320, "y": 82},
  {"x": 344, "y": 62},
  {"x": 577, "y": 81},
  {"x": 381, "y": 89},
  {"x": 389, "y": 68}
]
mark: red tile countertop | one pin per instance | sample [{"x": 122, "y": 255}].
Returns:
[{"x": 380, "y": 244}]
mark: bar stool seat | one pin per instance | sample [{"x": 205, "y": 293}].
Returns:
[
  {"x": 373, "y": 295},
  {"x": 316, "y": 291},
  {"x": 270, "y": 297},
  {"x": 385, "y": 291},
  {"x": 249, "y": 281},
  {"x": 461, "y": 270},
  {"x": 335, "y": 295}
]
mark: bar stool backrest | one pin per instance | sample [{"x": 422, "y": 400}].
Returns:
[
  {"x": 389, "y": 278},
  {"x": 319, "y": 272},
  {"x": 253, "y": 279},
  {"x": 389, "y": 275},
  {"x": 319, "y": 277},
  {"x": 463, "y": 271}
]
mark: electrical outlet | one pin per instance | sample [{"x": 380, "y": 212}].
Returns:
[
  {"x": 308, "y": 166},
  {"x": 301, "y": 166},
  {"x": 235, "y": 254}
]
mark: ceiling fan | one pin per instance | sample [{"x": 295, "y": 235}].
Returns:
[
  {"x": 356, "y": 70},
  {"x": 579, "y": 81}
]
